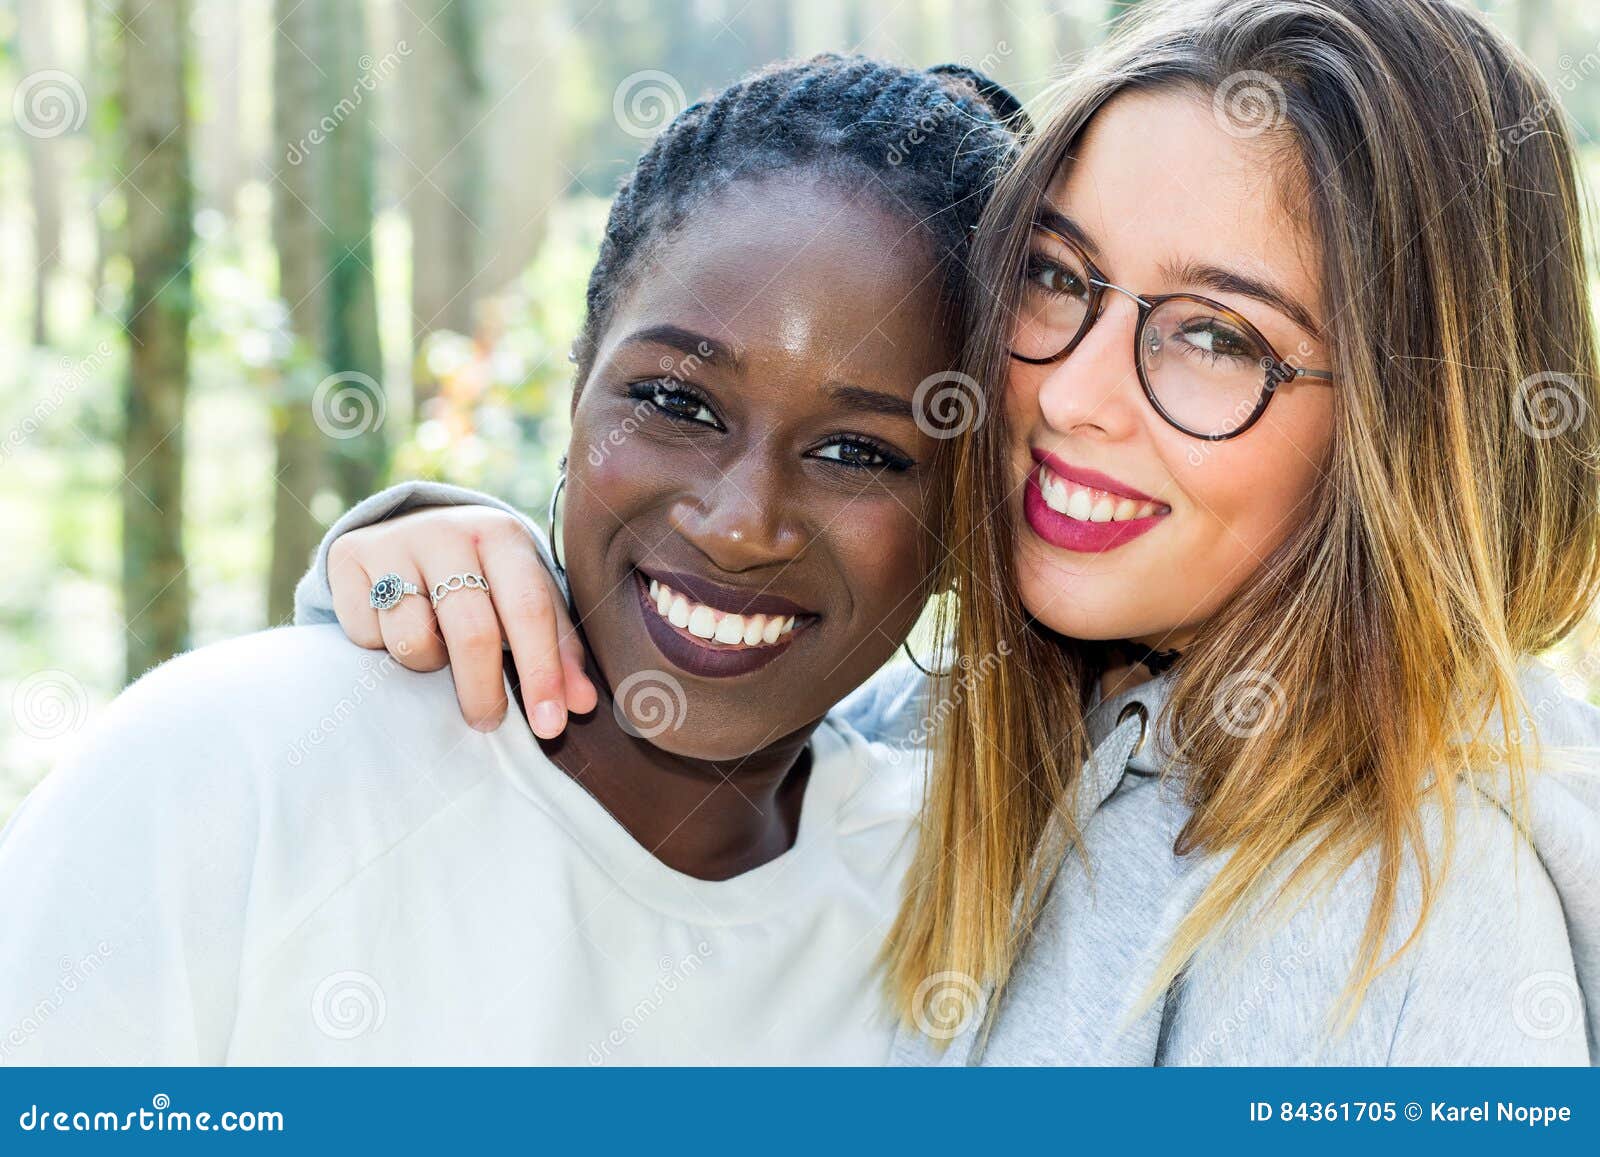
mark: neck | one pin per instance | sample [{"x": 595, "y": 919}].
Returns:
[
  {"x": 1121, "y": 674},
  {"x": 711, "y": 819}
]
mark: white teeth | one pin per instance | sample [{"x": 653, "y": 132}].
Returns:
[
  {"x": 721, "y": 626},
  {"x": 702, "y": 622},
  {"x": 1088, "y": 505}
]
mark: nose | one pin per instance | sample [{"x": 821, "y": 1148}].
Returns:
[
  {"x": 1095, "y": 389},
  {"x": 740, "y": 517}
]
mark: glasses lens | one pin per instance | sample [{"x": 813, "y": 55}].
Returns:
[
  {"x": 1206, "y": 369},
  {"x": 1055, "y": 298}
]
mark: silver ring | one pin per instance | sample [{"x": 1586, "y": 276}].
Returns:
[
  {"x": 387, "y": 592},
  {"x": 458, "y": 582}
]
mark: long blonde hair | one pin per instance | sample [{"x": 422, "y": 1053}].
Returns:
[{"x": 1455, "y": 533}]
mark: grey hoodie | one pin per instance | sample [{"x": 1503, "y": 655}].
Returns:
[{"x": 1506, "y": 970}]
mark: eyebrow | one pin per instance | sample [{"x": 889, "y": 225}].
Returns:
[
  {"x": 865, "y": 401},
  {"x": 1221, "y": 280},
  {"x": 1213, "y": 277},
  {"x": 1058, "y": 222},
  {"x": 685, "y": 341}
]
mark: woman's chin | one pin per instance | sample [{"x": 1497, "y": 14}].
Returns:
[
  {"x": 704, "y": 748},
  {"x": 1077, "y": 604}
]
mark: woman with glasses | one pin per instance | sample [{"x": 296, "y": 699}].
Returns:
[{"x": 1288, "y": 475}]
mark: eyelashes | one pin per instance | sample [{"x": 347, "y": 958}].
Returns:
[{"x": 681, "y": 403}]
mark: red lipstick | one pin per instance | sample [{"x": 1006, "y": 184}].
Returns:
[{"x": 1081, "y": 535}]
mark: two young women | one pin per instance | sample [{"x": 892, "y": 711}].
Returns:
[
  {"x": 1286, "y": 318},
  {"x": 1259, "y": 397}
]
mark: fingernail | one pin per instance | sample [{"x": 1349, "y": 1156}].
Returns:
[
  {"x": 548, "y": 717},
  {"x": 488, "y": 723}
]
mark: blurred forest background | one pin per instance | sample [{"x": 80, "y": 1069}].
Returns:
[{"x": 263, "y": 257}]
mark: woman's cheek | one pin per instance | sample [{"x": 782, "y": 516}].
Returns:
[{"x": 887, "y": 551}]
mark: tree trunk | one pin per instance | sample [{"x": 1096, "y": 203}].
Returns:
[
  {"x": 301, "y": 468},
  {"x": 159, "y": 236},
  {"x": 222, "y": 136},
  {"x": 37, "y": 41},
  {"x": 99, "y": 29},
  {"x": 350, "y": 404},
  {"x": 443, "y": 169},
  {"x": 521, "y": 146}
]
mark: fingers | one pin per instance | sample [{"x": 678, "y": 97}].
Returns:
[
  {"x": 407, "y": 630},
  {"x": 582, "y": 696},
  {"x": 351, "y": 586},
  {"x": 472, "y": 635},
  {"x": 524, "y": 606},
  {"x": 534, "y": 617}
]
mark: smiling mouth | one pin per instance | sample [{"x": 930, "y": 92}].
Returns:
[
  {"x": 713, "y": 641},
  {"x": 1086, "y": 519},
  {"x": 1089, "y": 504},
  {"x": 712, "y": 627}
]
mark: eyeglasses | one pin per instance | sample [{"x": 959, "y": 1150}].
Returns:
[{"x": 1205, "y": 369}]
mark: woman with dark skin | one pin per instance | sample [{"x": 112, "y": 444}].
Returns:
[
  {"x": 348, "y": 873},
  {"x": 789, "y": 477}
]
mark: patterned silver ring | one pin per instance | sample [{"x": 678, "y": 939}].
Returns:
[
  {"x": 458, "y": 582},
  {"x": 387, "y": 592}
]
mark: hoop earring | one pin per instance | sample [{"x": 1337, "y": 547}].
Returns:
[
  {"x": 906, "y": 647},
  {"x": 550, "y": 519}
]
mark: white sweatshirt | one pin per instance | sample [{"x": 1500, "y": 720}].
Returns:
[{"x": 285, "y": 849}]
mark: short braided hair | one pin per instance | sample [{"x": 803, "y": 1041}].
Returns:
[{"x": 929, "y": 142}]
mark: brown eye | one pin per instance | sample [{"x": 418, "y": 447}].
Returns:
[
  {"x": 676, "y": 402},
  {"x": 1055, "y": 279},
  {"x": 861, "y": 455},
  {"x": 1218, "y": 339}
]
